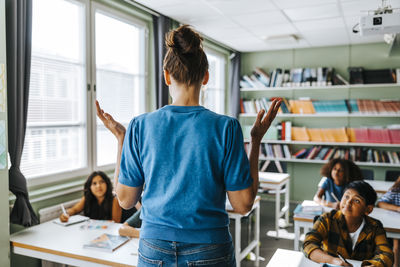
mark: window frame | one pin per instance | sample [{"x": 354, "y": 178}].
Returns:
[
  {"x": 121, "y": 14},
  {"x": 219, "y": 52}
]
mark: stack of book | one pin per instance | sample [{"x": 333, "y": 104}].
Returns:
[
  {"x": 279, "y": 77},
  {"x": 308, "y": 209},
  {"x": 389, "y": 135},
  {"x": 308, "y": 106},
  {"x": 255, "y": 105},
  {"x": 359, "y": 154},
  {"x": 359, "y": 75},
  {"x": 273, "y": 151}
]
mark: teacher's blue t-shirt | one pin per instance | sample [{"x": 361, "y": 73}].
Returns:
[{"x": 186, "y": 157}]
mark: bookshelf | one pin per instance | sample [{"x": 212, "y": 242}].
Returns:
[
  {"x": 305, "y": 174},
  {"x": 298, "y": 167}
]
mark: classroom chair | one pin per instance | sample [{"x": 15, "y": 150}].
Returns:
[
  {"x": 392, "y": 176},
  {"x": 368, "y": 174}
]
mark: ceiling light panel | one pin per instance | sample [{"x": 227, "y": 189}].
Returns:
[
  {"x": 267, "y": 18},
  {"x": 313, "y": 12}
]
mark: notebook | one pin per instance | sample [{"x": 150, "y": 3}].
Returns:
[
  {"x": 72, "y": 220},
  {"x": 107, "y": 242}
]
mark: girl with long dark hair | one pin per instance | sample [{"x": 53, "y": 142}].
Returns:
[{"x": 98, "y": 201}]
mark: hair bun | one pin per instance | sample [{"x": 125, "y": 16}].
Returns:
[{"x": 184, "y": 40}]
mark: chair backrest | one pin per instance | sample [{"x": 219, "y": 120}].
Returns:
[
  {"x": 392, "y": 175},
  {"x": 368, "y": 174}
]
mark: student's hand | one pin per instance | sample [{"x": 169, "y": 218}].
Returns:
[
  {"x": 115, "y": 127},
  {"x": 261, "y": 125},
  {"x": 64, "y": 217},
  {"x": 338, "y": 262}
]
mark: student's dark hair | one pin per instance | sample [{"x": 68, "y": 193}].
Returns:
[
  {"x": 396, "y": 186},
  {"x": 92, "y": 209},
  {"x": 351, "y": 171},
  {"x": 185, "y": 59},
  {"x": 365, "y": 190}
]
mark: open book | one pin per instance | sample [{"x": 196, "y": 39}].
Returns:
[
  {"x": 72, "y": 220},
  {"x": 107, "y": 242}
]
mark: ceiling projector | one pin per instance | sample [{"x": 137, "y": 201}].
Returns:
[
  {"x": 383, "y": 20},
  {"x": 380, "y": 24}
]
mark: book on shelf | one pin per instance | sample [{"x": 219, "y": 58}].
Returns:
[
  {"x": 379, "y": 76},
  {"x": 339, "y": 80},
  {"x": 356, "y": 75},
  {"x": 74, "y": 219},
  {"x": 300, "y": 134},
  {"x": 107, "y": 242},
  {"x": 301, "y": 106},
  {"x": 359, "y": 154}
]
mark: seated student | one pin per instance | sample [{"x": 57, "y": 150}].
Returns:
[
  {"x": 98, "y": 201},
  {"x": 339, "y": 172},
  {"x": 391, "y": 201},
  {"x": 350, "y": 231}
]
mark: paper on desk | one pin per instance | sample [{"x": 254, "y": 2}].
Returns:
[{"x": 72, "y": 220}]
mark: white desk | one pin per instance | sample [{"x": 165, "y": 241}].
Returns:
[
  {"x": 380, "y": 187},
  {"x": 254, "y": 244},
  {"x": 276, "y": 181},
  {"x": 389, "y": 219},
  {"x": 291, "y": 258},
  {"x": 53, "y": 242}
]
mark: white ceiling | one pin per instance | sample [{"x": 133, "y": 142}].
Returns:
[{"x": 244, "y": 25}]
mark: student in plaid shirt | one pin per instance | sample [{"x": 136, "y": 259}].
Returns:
[
  {"x": 391, "y": 201},
  {"x": 350, "y": 231}
]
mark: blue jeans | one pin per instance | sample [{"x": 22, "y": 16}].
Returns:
[{"x": 154, "y": 252}]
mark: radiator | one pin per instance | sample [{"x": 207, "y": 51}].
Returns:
[{"x": 53, "y": 212}]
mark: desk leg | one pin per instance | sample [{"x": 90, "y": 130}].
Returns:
[
  {"x": 296, "y": 235},
  {"x": 258, "y": 235},
  {"x": 237, "y": 241},
  {"x": 287, "y": 195},
  {"x": 277, "y": 209}
]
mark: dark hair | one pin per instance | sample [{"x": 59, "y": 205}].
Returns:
[
  {"x": 365, "y": 190},
  {"x": 92, "y": 209},
  {"x": 396, "y": 186},
  {"x": 351, "y": 171},
  {"x": 185, "y": 59}
]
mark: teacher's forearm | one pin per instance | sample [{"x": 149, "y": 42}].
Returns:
[
  {"x": 253, "y": 158},
  {"x": 118, "y": 163}
]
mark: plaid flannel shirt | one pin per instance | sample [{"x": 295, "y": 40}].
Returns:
[
  {"x": 391, "y": 197},
  {"x": 330, "y": 234}
]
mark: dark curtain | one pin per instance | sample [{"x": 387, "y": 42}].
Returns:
[
  {"x": 234, "y": 84},
  {"x": 18, "y": 41},
  {"x": 161, "y": 25}
]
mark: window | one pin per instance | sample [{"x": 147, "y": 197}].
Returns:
[
  {"x": 212, "y": 96},
  {"x": 62, "y": 136},
  {"x": 120, "y": 77},
  {"x": 57, "y": 98}
]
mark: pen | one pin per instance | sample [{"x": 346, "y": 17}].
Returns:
[
  {"x": 342, "y": 258},
  {"x": 333, "y": 195},
  {"x": 63, "y": 209}
]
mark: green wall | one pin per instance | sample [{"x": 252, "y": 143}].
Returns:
[
  {"x": 4, "y": 208},
  {"x": 305, "y": 176}
]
